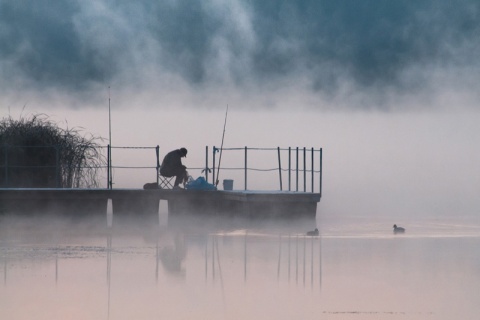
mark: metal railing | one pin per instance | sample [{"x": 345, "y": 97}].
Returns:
[
  {"x": 298, "y": 169},
  {"x": 304, "y": 163}
]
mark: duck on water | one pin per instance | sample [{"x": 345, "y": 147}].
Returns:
[{"x": 398, "y": 229}]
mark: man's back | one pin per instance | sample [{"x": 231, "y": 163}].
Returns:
[{"x": 172, "y": 160}]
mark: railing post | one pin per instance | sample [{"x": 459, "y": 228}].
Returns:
[
  {"x": 313, "y": 171},
  {"x": 321, "y": 171},
  {"x": 157, "y": 153},
  {"x": 206, "y": 163},
  {"x": 57, "y": 167},
  {"x": 280, "y": 168},
  {"x": 296, "y": 169},
  {"x": 246, "y": 168},
  {"x": 304, "y": 169},
  {"x": 289, "y": 168},
  {"x": 213, "y": 174},
  {"x": 6, "y": 165},
  {"x": 108, "y": 167}
]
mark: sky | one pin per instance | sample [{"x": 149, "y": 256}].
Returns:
[{"x": 389, "y": 89}]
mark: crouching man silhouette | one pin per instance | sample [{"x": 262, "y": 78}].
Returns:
[{"x": 172, "y": 167}]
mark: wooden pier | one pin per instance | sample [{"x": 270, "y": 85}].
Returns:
[{"x": 81, "y": 202}]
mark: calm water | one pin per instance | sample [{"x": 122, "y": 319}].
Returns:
[{"x": 357, "y": 269}]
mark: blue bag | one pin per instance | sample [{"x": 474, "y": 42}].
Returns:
[{"x": 199, "y": 184}]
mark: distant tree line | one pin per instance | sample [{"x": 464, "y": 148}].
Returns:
[{"x": 36, "y": 153}]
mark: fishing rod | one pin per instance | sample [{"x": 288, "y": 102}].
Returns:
[{"x": 221, "y": 147}]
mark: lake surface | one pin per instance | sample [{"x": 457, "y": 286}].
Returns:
[{"x": 54, "y": 268}]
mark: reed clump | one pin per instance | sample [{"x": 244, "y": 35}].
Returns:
[{"x": 36, "y": 153}]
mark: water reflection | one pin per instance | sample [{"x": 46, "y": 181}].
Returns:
[
  {"x": 56, "y": 269},
  {"x": 109, "y": 262},
  {"x": 172, "y": 254}
]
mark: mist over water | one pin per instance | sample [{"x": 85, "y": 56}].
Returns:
[
  {"x": 388, "y": 89},
  {"x": 211, "y": 268}
]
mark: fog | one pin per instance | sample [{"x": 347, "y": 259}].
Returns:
[
  {"x": 374, "y": 163},
  {"x": 388, "y": 90}
]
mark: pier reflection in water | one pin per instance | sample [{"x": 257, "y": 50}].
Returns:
[{"x": 198, "y": 269}]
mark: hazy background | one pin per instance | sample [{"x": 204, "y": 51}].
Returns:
[{"x": 388, "y": 89}]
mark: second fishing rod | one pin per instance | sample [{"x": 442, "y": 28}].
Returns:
[{"x": 221, "y": 148}]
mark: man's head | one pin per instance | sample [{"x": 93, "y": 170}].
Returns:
[{"x": 183, "y": 151}]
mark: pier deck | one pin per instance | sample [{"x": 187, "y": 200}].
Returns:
[{"x": 146, "y": 202}]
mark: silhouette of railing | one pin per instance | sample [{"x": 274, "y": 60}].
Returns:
[
  {"x": 303, "y": 166},
  {"x": 294, "y": 169}
]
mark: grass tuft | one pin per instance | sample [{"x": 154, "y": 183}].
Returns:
[{"x": 36, "y": 153}]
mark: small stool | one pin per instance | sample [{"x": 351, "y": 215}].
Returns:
[{"x": 165, "y": 182}]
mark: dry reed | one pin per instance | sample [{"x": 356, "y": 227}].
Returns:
[{"x": 36, "y": 152}]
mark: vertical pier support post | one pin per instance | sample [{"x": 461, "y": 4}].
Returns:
[
  {"x": 57, "y": 168},
  {"x": 321, "y": 172},
  {"x": 108, "y": 167},
  {"x": 157, "y": 152},
  {"x": 246, "y": 168},
  {"x": 289, "y": 169},
  {"x": 313, "y": 171},
  {"x": 6, "y": 185},
  {"x": 296, "y": 169},
  {"x": 206, "y": 163},
  {"x": 213, "y": 168},
  {"x": 304, "y": 169}
]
